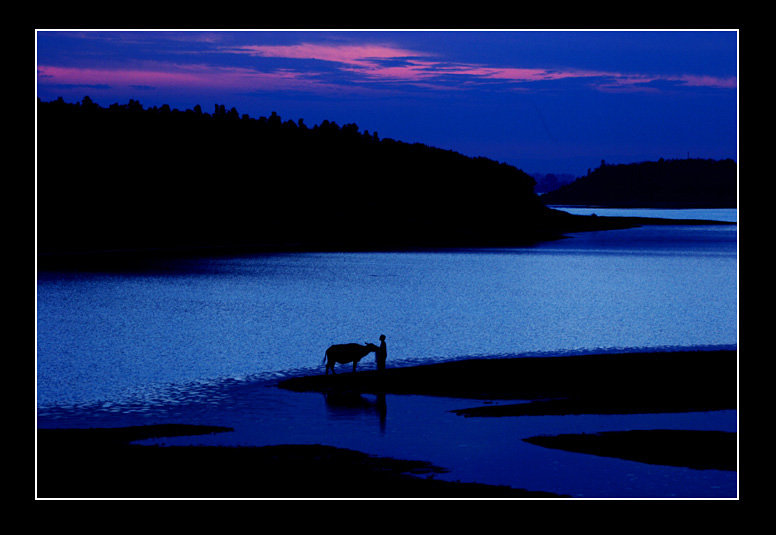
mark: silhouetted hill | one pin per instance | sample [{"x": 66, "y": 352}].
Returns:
[
  {"x": 125, "y": 176},
  {"x": 662, "y": 184},
  {"x": 129, "y": 178}
]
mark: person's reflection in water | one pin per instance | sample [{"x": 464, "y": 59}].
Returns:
[{"x": 346, "y": 405}]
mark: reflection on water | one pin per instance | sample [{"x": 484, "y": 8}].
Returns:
[{"x": 344, "y": 405}]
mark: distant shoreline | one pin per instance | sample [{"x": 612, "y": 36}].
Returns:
[{"x": 556, "y": 227}]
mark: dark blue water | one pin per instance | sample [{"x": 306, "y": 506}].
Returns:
[
  {"x": 205, "y": 340},
  {"x": 707, "y": 214}
]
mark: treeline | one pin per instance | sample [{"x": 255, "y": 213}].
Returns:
[
  {"x": 690, "y": 183},
  {"x": 130, "y": 177}
]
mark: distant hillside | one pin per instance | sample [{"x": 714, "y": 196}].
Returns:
[
  {"x": 551, "y": 181},
  {"x": 129, "y": 177},
  {"x": 662, "y": 184}
]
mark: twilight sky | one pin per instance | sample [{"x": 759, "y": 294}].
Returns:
[{"x": 543, "y": 101}]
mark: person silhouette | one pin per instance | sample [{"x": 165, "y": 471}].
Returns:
[{"x": 381, "y": 354}]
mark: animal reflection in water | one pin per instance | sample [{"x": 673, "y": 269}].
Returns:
[
  {"x": 345, "y": 353},
  {"x": 345, "y": 404}
]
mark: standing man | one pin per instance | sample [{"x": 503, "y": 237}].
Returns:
[{"x": 381, "y": 354}]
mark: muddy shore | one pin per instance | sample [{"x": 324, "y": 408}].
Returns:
[
  {"x": 102, "y": 463},
  {"x": 680, "y": 381}
]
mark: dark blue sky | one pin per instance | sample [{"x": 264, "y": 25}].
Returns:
[{"x": 543, "y": 101}]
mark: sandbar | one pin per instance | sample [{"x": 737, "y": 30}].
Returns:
[{"x": 623, "y": 383}]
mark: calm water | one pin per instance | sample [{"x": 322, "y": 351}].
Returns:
[
  {"x": 203, "y": 341},
  {"x": 709, "y": 214}
]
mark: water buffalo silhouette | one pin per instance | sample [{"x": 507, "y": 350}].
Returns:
[{"x": 344, "y": 353}]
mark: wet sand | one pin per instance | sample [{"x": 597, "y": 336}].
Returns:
[
  {"x": 629, "y": 383},
  {"x": 103, "y": 463}
]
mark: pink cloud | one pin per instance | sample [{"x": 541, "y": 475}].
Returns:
[
  {"x": 365, "y": 60},
  {"x": 363, "y": 55},
  {"x": 709, "y": 81},
  {"x": 521, "y": 74},
  {"x": 409, "y": 71},
  {"x": 369, "y": 61},
  {"x": 365, "y": 63},
  {"x": 640, "y": 82},
  {"x": 155, "y": 76},
  {"x": 174, "y": 76}
]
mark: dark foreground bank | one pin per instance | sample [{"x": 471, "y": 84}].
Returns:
[
  {"x": 102, "y": 463},
  {"x": 699, "y": 450}
]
